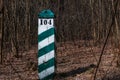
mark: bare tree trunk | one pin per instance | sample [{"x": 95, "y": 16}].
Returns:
[
  {"x": 115, "y": 7},
  {"x": 92, "y": 22},
  {"x": 1, "y": 31},
  {"x": 100, "y": 19},
  {"x": 14, "y": 35},
  {"x": 1, "y": 6},
  {"x": 27, "y": 23}
]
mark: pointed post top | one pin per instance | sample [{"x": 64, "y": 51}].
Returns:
[{"x": 46, "y": 14}]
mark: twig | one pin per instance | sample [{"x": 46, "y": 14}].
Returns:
[{"x": 104, "y": 46}]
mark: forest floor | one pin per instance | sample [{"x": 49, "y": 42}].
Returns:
[
  {"x": 74, "y": 62},
  {"x": 77, "y": 61},
  {"x": 22, "y": 68}
]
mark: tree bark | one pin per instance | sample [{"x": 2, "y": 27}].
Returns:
[
  {"x": 27, "y": 23},
  {"x": 1, "y": 31}
]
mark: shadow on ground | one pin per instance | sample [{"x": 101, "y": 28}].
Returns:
[
  {"x": 76, "y": 71},
  {"x": 115, "y": 77}
]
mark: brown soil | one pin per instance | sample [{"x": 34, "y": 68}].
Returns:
[
  {"x": 74, "y": 62},
  {"x": 78, "y": 62}
]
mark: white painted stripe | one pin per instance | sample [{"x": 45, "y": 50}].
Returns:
[
  {"x": 42, "y": 28},
  {"x": 46, "y": 72},
  {"x": 46, "y": 42},
  {"x": 46, "y": 57}
]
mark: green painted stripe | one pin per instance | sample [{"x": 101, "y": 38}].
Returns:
[
  {"x": 45, "y": 34},
  {"x": 46, "y": 49},
  {"x": 49, "y": 77},
  {"x": 46, "y": 65}
]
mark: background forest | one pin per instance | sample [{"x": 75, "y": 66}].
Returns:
[{"x": 80, "y": 22}]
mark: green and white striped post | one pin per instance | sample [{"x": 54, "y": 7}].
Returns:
[{"x": 46, "y": 41}]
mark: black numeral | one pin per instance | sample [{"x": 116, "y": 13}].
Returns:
[
  {"x": 45, "y": 22},
  {"x": 41, "y": 22},
  {"x": 50, "y": 22}
]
